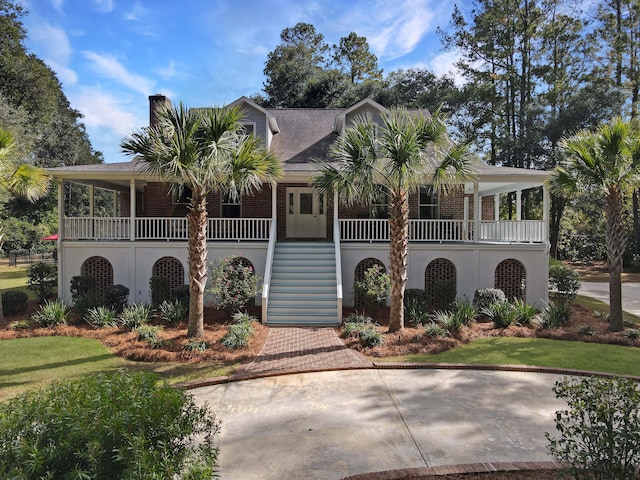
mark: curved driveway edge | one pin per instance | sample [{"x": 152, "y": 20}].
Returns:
[{"x": 335, "y": 424}]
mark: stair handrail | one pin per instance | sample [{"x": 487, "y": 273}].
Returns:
[
  {"x": 336, "y": 244},
  {"x": 267, "y": 269}
]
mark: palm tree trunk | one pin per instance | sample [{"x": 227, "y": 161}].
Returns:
[
  {"x": 398, "y": 252},
  {"x": 615, "y": 243},
  {"x": 197, "y": 259}
]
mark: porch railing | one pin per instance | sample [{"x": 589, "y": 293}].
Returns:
[
  {"x": 167, "y": 228},
  {"x": 376, "y": 230},
  {"x": 513, "y": 231}
]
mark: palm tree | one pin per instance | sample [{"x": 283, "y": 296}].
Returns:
[
  {"x": 408, "y": 150},
  {"x": 605, "y": 162},
  {"x": 204, "y": 150},
  {"x": 19, "y": 179}
]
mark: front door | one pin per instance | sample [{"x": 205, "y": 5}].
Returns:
[{"x": 306, "y": 213}]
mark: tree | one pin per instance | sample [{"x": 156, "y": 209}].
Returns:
[
  {"x": 606, "y": 163},
  {"x": 407, "y": 151},
  {"x": 204, "y": 150},
  {"x": 354, "y": 58},
  {"x": 25, "y": 180}
]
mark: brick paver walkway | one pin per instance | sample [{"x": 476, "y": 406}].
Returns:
[{"x": 302, "y": 349}]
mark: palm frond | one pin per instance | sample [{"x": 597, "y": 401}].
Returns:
[{"x": 28, "y": 181}]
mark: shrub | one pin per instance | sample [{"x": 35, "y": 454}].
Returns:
[
  {"x": 85, "y": 302},
  {"x": 434, "y": 329},
  {"x": 160, "y": 290},
  {"x": 633, "y": 334},
  {"x": 149, "y": 334},
  {"x": 116, "y": 297},
  {"x": 181, "y": 294},
  {"x": 444, "y": 293},
  {"x": 364, "y": 329},
  {"x": 599, "y": 432},
  {"x": 101, "y": 317},
  {"x": 107, "y": 426},
  {"x": 374, "y": 288},
  {"x": 82, "y": 285},
  {"x": 464, "y": 310},
  {"x": 483, "y": 297},
  {"x": 555, "y": 315},
  {"x": 415, "y": 311},
  {"x": 447, "y": 319},
  {"x": 133, "y": 316},
  {"x": 232, "y": 284},
  {"x": 565, "y": 282},
  {"x": 524, "y": 312},
  {"x": 587, "y": 330},
  {"x": 417, "y": 294},
  {"x": 502, "y": 314},
  {"x": 42, "y": 279},
  {"x": 14, "y": 301},
  {"x": 52, "y": 313},
  {"x": 239, "y": 332},
  {"x": 173, "y": 312},
  {"x": 20, "y": 325},
  {"x": 195, "y": 345}
]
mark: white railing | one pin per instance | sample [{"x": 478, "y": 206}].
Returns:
[
  {"x": 440, "y": 230},
  {"x": 267, "y": 270},
  {"x": 521, "y": 231},
  {"x": 167, "y": 228},
  {"x": 97, "y": 228},
  {"x": 375, "y": 230},
  {"x": 238, "y": 228}
]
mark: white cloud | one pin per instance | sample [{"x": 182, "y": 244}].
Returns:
[
  {"x": 104, "y": 5},
  {"x": 104, "y": 111},
  {"x": 136, "y": 12},
  {"x": 168, "y": 72},
  {"x": 109, "y": 67},
  {"x": 445, "y": 64},
  {"x": 397, "y": 27},
  {"x": 56, "y": 51},
  {"x": 58, "y": 5}
]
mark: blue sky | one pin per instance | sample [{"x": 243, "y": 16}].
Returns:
[{"x": 111, "y": 54}]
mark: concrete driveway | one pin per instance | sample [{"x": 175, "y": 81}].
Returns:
[
  {"x": 329, "y": 425},
  {"x": 600, "y": 291}
]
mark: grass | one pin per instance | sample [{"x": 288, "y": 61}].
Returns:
[
  {"x": 15, "y": 278},
  {"x": 598, "y": 306},
  {"x": 539, "y": 352},
  {"x": 28, "y": 363}
]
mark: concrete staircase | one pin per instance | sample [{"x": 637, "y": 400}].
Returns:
[{"x": 303, "y": 285}]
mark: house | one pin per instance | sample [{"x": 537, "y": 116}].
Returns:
[{"x": 309, "y": 249}]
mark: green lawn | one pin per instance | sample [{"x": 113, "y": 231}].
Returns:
[
  {"x": 538, "y": 352},
  {"x": 14, "y": 278},
  {"x": 27, "y": 363}
]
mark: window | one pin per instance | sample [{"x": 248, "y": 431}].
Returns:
[
  {"x": 249, "y": 128},
  {"x": 379, "y": 205},
  {"x": 182, "y": 196},
  {"x": 230, "y": 206},
  {"x": 428, "y": 202}
]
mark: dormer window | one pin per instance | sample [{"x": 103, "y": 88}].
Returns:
[{"x": 249, "y": 128}]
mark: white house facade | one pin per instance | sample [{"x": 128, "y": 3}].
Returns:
[{"x": 309, "y": 249}]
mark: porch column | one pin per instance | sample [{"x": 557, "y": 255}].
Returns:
[
  {"x": 496, "y": 207},
  {"x": 274, "y": 202},
  {"x": 518, "y": 205},
  {"x": 465, "y": 218},
  {"x": 92, "y": 222},
  {"x": 132, "y": 210},
  {"x": 60, "y": 237},
  {"x": 336, "y": 220},
  {"x": 477, "y": 212},
  {"x": 545, "y": 213}
]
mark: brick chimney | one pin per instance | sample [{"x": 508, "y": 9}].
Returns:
[{"x": 156, "y": 101}]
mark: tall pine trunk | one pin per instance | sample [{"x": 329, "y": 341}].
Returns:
[
  {"x": 398, "y": 252},
  {"x": 615, "y": 243},
  {"x": 197, "y": 259}
]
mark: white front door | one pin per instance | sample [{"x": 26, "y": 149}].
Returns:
[{"x": 306, "y": 213}]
